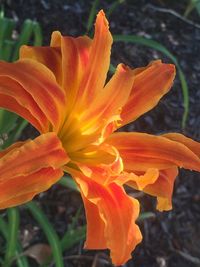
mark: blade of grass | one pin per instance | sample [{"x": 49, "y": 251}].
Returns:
[
  {"x": 68, "y": 182},
  {"x": 20, "y": 127},
  {"x": 113, "y": 6},
  {"x": 192, "y": 4},
  {"x": 20, "y": 259},
  {"x": 8, "y": 121},
  {"x": 7, "y": 49},
  {"x": 92, "y": 15},
  {"x": 159, "y": 47},
  {"x": 73, "y": 237},
  {"x": 6, "y": 28},
  {"x": 37, "y": 32},
  {"x": 49, "y": 231},
  {"x": 13, "y": 228},
  {"x": 146, "y": 215},
  {"x": 24, "y": 37}
]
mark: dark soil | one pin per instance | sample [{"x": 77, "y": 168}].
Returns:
[{"x": 171, "y": 238}]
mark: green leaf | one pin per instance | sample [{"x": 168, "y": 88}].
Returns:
[
  {"x": 73, "y": 237},
  {"x": 92, "y": 15},
  {"x": 192, "y": 4},
  {"x": 146, "y": 215},
  {"x": 6, "y": 28},
  {"x": 20, "y": 259},
  {"x": 159, "y": 47},
  {"x": 8, "y": 121},
  {"x": 24, "y": 37},
  {"x": 49, "y": 231},
  {"x": 113, "y": 6},
  {"x": 37, "y": 32},
  {"x": 68, "y": 182},
  {"x": 13, "y": 228}
]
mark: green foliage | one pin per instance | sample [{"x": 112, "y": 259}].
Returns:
[
  {"x": 11, "y": 125},
  {"x": 49, "y": 231},
  {"x": 192, "y": 4},
  {"x": 10, "y": 41},
  {"x": 68, "y": 182}
]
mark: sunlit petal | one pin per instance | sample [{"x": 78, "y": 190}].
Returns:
[
  {"x": 141, "y": 151},
  {"x": 150, "y": 84},
  {"x": 49, "y": 56},
  {"x": 116, "y": 213},
  {"x": 39, "y": 90},
  {"x": 29, "y": 168}
]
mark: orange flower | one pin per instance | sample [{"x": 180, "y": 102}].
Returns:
[{"x": 61, "y": 91}]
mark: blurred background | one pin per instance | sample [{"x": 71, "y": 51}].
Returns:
[{"x": 144, "y": 31}]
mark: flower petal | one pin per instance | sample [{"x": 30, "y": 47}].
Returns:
[
  {"x": 28, "y": 168},
  {"x": 98, "y": 62},
  {"x": 16, "y": 99},
  {"x": 140, "y": 151},
  {"x": 105, "y": 109},
  {"x": 48, "y": 56},
  {"x": 102, "y": 162},
  {"x": 162, "y": 187},
  {"x": 150, "y": 84},
  {"x": 75, "y": 58},
  {"x": 194, "y": 146},
  {"x": 116, "y": 215},
  {"x": 40, "y": 90}
]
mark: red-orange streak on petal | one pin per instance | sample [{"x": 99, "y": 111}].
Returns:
[
  {"x": 40, "y": 83},
  {"x": 49, "y": 56},
  {"x": 103, "y": 111},
  {"x": 11, "y": 88},
  {"x": 20, "y": 189},
  {"x": 98, "y": 62},
  {"x": 95, "y": 226},
  {"x": 118, "y": 212},
  {"x": 150, "y": 84},
  {"x": 43, "y": 152},
  {"x": 11, "y": 104},
  {"x": 194, "y": 146},
  {"x": 109, "y": 101},
  {"x": 75, "y": 54},
  {"x": 160, "y": 151}
]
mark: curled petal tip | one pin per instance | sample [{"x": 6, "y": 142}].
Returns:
[{"x": 101, "y": 18}]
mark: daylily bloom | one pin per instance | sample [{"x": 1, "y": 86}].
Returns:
[{"x": 61, "y": 91}]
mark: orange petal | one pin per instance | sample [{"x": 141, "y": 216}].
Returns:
[
  {"x": 11, "y": 104},
  {"x": 75, "y": 57},
  {"x": 16, "y": 99},
  {"x": 103, "y": 160},
  {"x": 163, "y": 188},
  {"x": 104, "y": 111},
  {"x": 156, "y": 183},
  {"x": 48, "y": 56},
  {"x": 138, "y": 181},
  {"x": 98, "y": 62},
  {"x": 39, "y": 87},
  {"x": 140, "y": 151},
  {"x": 95, "y": 226},
  {"x": 150, "y": 84},
  {"x": 29, "y": 168},
  {"x": 194, "y": 146},
  {"x": 116, "y": 214}
]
